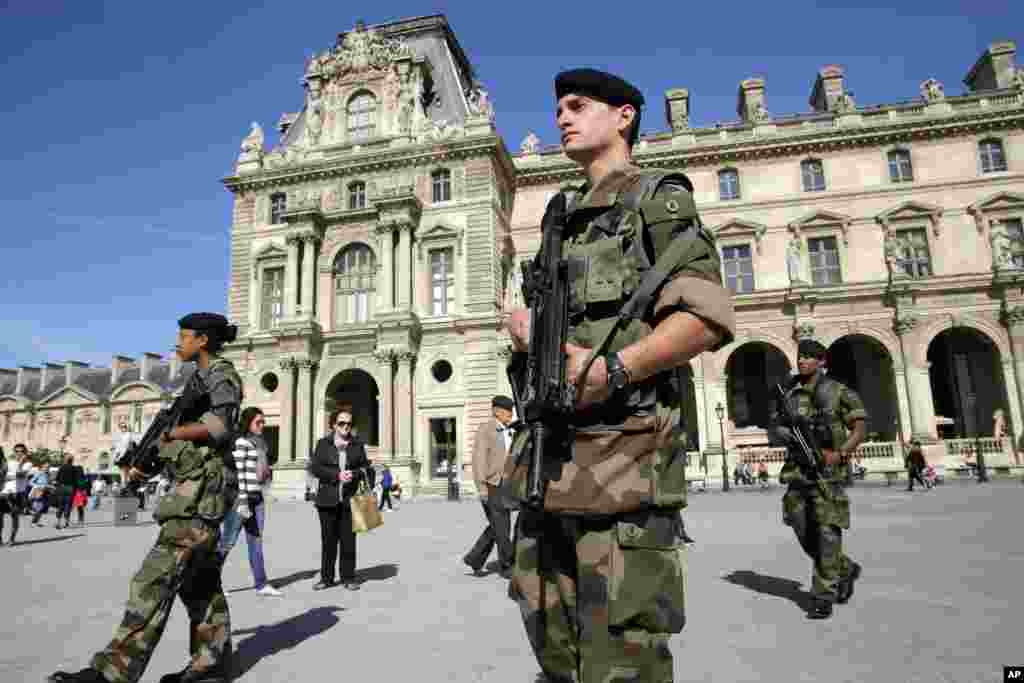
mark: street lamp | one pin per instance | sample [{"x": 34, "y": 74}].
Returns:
[{"x": 720, "y": 412}]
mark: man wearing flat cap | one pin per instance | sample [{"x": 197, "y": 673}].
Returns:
[
  {"x": 818, "y": 513},
  {"x": 184, "y": 562},
  {"x": 490, "y": 449},
  {"x": 599, "y": 568}
]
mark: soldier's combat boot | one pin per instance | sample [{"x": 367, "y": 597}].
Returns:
[
  {"x": 845, "y": 590},
  {"x": 820, "y": 609},
  {"x": 88, "y": 675},
  {"x": 216, "y": 674}
]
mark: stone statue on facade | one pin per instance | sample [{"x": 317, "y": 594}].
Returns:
[
  {"x": 999, "y": 423},
  {"x": 1002, "y": 248},
  {"x": 1018, "y": 79},
  {"x": 253, "y": 142},
  {"x": 530, "y": 144},
  {"x": 895, "y": 252},
  {"x": 844, "y": 104},
  {"x": 680, "y": 120},
  {"x": 479, "y": 101},
  {"x": 760, "y": 113},
  {"x": 793, "y": 261},
  {"x": 406, "y": 103},
  {"x": 314, "y": 113},
  {"x": 932, "y": 90}
]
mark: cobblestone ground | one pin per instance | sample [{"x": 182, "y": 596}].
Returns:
[{"x": 939, "y": 599}]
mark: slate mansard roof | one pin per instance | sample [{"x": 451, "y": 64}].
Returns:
[{"x": 96, "y": 381}]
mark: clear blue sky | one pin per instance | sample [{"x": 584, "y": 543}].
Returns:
[{"x": 120, "y": 118}]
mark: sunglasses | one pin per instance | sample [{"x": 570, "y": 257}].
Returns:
[{"x": 343, "y": 424}]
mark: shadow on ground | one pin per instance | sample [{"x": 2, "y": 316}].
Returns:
[
  {"x": 380, "y": 572},
  {"x": 48, "y": 540},
  {"x": 266, "y": 641},
  {"x": 771, "y": 585}
]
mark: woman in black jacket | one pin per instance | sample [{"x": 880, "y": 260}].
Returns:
[{"x": 340, "y": 464}]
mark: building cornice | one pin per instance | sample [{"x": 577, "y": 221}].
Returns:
[
  {"x": 560, "y": 169},
  {"x": 375, "y": 161}
]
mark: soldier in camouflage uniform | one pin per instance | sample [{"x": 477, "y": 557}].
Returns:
[
  {"x": 599, "y": 571},
  {"x": 818, "y": 512},
  {"x": 184, "y": 560}
]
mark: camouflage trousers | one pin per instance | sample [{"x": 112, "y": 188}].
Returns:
[
  {"x": 183, "y": 562},
  {"x": 601, "y": 597},
  {"x": 818, "y": 523}
]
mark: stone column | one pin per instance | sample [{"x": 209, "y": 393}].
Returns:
[
  {"x": 304, "y": 408},
  {"x": 286, "y": 436},
  {"x": 403, "y": 298},
  {"x": 385, "y": 360},
  {"x": 903, "y": 404},
  {"x": 291, "y": 276},
  {"x": 403, "y": 406},
  {"x": 1013, "y": 318},
  {"x": 311, "y": 244},
  {"x": 386, "y": 278},
  {"x": 921, "y": 411}
]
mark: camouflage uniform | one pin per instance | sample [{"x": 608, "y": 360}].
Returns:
[
  {"x": 818, "y": 520},
  {"x": 184, "y": 560},
  {"x": 599, "y": 573}
]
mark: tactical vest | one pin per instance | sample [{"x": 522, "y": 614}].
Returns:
[
  {"x": 822, "y": 411},
  {"x": 204, "y": 405}
]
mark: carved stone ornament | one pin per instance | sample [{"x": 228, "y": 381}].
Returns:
[
  {"x": 1018, "y": 79},
  {"x": 253, "y": 142},
  {"x": 932, "y": 90},
  {"x": 844, "y": 104},
  {"x": 760, "y": 113},
  {"x": 1014, "y": 316},
  {"x": 803, "y": 331},
  {"x": 405, "y": 357},
  {"x": 530, "y": 144},
  {"x": 306, "y": 364},
  {"x": 1002, "y": 248},
  {"x": 479, "y": 101},
  {"x": 439, "y": 131},
  {"x": 680, "y": 121},
  {"x": 361, "y": 49},
  {"x": 384, "y": 356},
  {"x": 286, "y": 364},
  {"x": 905, "y": 324}
]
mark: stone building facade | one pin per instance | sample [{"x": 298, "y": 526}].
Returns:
[{"x": 375, "y": 247}]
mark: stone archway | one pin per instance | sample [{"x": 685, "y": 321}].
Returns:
[
  {"x": 752, "y": 371},
  {"x": 967, "y": 382},
  {"x": 863, "y": 363},
  {"x": 358, "y": 389}
]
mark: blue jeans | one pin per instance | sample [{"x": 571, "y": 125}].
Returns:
[{"x": 232, "y": 528}]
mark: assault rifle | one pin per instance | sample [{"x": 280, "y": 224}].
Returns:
[
  {"x": 144, "y": 456},
  {"x": 809, "y": 455},
  {"x": 543, "y": 398}
]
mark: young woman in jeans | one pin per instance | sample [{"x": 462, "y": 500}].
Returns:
[{"x": 249, "y": 512}]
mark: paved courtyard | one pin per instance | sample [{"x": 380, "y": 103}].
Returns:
[{"x": 939, "y": 600}]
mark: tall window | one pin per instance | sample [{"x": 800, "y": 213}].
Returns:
[
  {"x": 272, "y": 299},
  {"x": 900, "y": 169},
  {"x": 992, "y": 157},
  {"x": 357, "y": 195},
  {"x": 824, "y": 257},
  {"x": 738, "y": 267},
  {"x": 917, "y": 261},
  {"x": 441, "y": 179},
  {"x": 442, "y": 280},
  {"x": 278, "y": 205},
  {"x": 813, "y": 174},
  {"x": 354, "y": 272},
  {"x": 1015, "y": 231},
  {"x": 728, "y": 184},
  {"x": 362, "y": 117}
]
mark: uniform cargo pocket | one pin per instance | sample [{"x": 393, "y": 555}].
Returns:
[{"x": 647, "y": 587}]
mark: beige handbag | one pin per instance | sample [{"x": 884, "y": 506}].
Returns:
[{"x": 365, "y": 515}]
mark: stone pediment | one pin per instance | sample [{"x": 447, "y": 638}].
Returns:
[
  {"x": 136, "y": 392},
  {"x": 270, "y": 251},
  {"x": 67, "y": 396},
  {"x": 738, "y": 227},
  {"x": 822, "y": 218},
  {"x": 439, "y": 235},
  {"x": 997, "y": 201},
  {"x": 908, "y": 211}
]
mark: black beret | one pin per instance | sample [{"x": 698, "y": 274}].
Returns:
[
  {"x": 809, "y": 348},
  {"x": 209, "y": 323},
  {"x": 598, "y": 85},
  {"x": 502, "y": 402}
]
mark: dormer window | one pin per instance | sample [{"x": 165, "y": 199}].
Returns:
[
  {"x": 357, "y": 196},
  {"x": 441, "y": 180}
]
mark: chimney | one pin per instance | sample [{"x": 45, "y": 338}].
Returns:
[
  {"x": 72, "y": 369},
  {"x": 994, "y": 69},
  {"x": 5, "y": 374},
  {"x": 829, "y": 93},
  {"x": 148, "y": 364},
  {"x": 25, "y": 374},
  {"x": 750, "y": 102},
  {"x": 117, "y": 366},
  {"x": 677, "y": 109},
  {"x": 48, "y": 372}
]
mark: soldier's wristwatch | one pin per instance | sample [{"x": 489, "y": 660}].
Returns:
[{"x": 618, "y": 375}]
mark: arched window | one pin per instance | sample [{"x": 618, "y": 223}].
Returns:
[
  {"x": 354, "y": 271},
  {"x": 278, "y": 205},
  {"x": 900, "y": 168},
  {"x": 441, "y": 179},
  {"x": 362, "y": 117},
  {"x": 728, "y": 184},
  {"x": 812, "y": 172},
  {"x": 357, "y": 195},
  {"x": 991, "y": 154}
]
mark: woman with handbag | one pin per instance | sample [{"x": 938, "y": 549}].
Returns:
[
  {"x": 249, "y": 511},
  {"x": 339, "y": 463}
]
